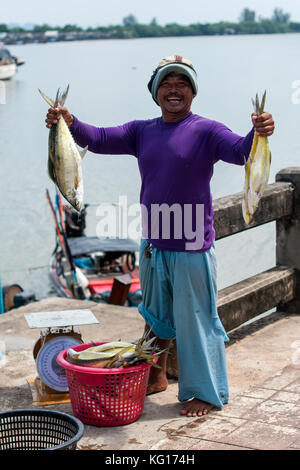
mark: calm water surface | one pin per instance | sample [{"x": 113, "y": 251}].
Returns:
[{"x": 108, "y": 87}]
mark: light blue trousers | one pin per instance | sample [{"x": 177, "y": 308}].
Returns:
[{"x": 179, "y": 301}]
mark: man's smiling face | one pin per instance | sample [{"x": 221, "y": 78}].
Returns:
[{"x": 175, "y": 96}]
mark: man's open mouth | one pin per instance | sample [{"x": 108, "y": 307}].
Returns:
[{"x": 173, "y": 99}]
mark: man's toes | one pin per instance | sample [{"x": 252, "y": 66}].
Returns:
[
  {"x": 196, "y": 408},
  {"x": 185, "y": 411},
  {"x": 192, "y": 412}
]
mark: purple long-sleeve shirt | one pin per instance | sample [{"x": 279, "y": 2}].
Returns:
[{"x": 176, "y": 162}]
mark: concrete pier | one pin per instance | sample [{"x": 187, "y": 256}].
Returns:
[{"x": 264, "y": 377}]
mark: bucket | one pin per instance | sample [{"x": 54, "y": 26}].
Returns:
[{"x": 105, "y": 397}]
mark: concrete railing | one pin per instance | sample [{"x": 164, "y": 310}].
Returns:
[{"x": 278, "y": 287}]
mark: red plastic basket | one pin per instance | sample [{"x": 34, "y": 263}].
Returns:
[{"x": 105, "y": 397}]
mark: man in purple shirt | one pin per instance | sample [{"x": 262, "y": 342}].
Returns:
[{"x": 176, "y": 154}]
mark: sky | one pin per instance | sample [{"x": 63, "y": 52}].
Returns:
[{"x": 93, "y": 13}]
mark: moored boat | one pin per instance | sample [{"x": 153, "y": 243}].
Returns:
[{"x": 8, "y": 64}]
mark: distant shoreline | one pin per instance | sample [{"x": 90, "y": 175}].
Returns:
[{"x": 48, "y": 34}]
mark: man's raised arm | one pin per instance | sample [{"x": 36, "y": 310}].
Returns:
[
  {"x": 115, "y": 140},
  {"x": 232, "y": 148}
]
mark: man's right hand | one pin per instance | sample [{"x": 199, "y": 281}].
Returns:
[{"x": 54, "y": 115}]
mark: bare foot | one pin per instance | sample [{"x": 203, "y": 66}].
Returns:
[
  {"x": 158, "y": 382},
  {"x": 196, "y": 407}
]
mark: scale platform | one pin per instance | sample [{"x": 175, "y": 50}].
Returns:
[{"x": 60, "y": 318}]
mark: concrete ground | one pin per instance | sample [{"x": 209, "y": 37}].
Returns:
[{"x": 264, "y": 376}]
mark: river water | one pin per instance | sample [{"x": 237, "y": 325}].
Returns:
[{"x": 108, "y": 87}]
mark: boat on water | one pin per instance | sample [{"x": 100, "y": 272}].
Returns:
[
  {"x": 102, "y": 270},
  {"x": 8, "y": 64}
]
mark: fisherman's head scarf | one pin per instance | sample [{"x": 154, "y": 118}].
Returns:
[{"x": 176, "y": 64}]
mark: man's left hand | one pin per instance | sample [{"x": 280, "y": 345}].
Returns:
[{"x": 263, "y": 124}]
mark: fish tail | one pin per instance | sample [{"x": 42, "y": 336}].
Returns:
[
  {"x": 256, "y": 104},
  {"x": 57, "y": 98},
  {"x": 47, "y": 99},
  {"x": 60, "y": 98},
  {"x": 259, "y": 107},
  {"x": 262, "y": 104},
  {"x": 63, "y": 96}
]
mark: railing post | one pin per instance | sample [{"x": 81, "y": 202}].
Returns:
[{"x": 288, "y": 237}]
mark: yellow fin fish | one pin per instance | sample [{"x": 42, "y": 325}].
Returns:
[
  {"x": 257, "y": 168},
  {"x": 64, "y": 158}
]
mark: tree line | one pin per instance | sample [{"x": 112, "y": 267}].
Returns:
[{"x": 248, "y": 23}]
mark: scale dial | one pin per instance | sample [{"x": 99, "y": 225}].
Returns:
[{"x": 50, "y": 372}]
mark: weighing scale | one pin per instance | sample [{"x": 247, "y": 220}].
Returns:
[{"x": 51, "y": 386}]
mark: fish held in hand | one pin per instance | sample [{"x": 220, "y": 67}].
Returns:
[
  {"x": 64, "y": 158},
  {"x": 257, "y": 168}
]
